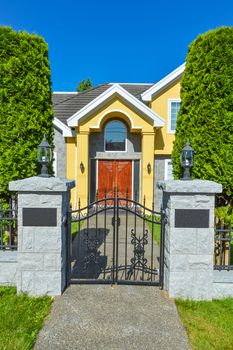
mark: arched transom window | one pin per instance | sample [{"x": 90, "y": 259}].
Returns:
[{"x": 115, "y": 135}]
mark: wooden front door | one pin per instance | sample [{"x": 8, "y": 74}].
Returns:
[{"x": 114, "y": 174}]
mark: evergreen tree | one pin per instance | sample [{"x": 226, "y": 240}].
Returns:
[
  {"x": 206, "y": 114},
  {"x": 25, "y": 104},
  {"x": 84, "y": 85}
]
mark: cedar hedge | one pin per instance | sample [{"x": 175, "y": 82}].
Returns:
[
  {"x": 206, "y": 114},
  {"x": 25, "y": 104}
]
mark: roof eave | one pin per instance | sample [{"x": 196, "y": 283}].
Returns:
[
  {"x": 105, "y": 96},
  {"x": 66, "y": 131},
  {"x": 162, "y": 84}
]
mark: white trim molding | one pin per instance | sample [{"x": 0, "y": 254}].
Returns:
[
  {"x": 66, "y": 131},
  {"x": 65, "y": 92},
  {"x": 55, "y": 163},
  {"x": 170, "y": 100},
  {"x": 162, "y": 84},
  {"x": 105, "y": 97},
  {"x": 167, "y": 161},
  {"x": 112, "y": 111}
]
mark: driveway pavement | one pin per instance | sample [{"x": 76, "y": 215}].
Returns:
[{"x": 102, "y": 317}]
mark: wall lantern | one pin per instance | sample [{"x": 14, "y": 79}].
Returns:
[
  {"x": 44, "y": 156},
  {"x": 148, "y": 168},
  {"x": 187, "y": 160},
  {"x": 82, "y": 168}
]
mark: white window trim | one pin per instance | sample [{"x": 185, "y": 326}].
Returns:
[
  {"x": 170, "y": 100},
  {"x": 126, "y": 143},
  {"x": 166, "y": 168},
  {"x": 55, "y": 163}
]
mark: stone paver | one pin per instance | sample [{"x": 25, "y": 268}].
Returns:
[{"x": 89, "y": 317}]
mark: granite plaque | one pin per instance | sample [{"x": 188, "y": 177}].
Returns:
[
  {"x": 188, "y": 218},
  {"x": 39, "y": 217}
]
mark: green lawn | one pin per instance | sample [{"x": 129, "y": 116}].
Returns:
[
  {"x": 209, "y": 324},
  {"x": 156, "y": 228},
  {"x": 75, "y": 228},
  {"x": 21, "y": 318}
]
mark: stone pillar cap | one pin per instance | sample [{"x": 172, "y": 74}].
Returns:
[
  {"x": 41, "y": 184},
  {"x": 189, "y": 186}
]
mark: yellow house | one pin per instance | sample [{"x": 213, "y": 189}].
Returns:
[{"x": 117, "y": 136}]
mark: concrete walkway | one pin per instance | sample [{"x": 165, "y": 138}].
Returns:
[{"x": 101, "y": 317}]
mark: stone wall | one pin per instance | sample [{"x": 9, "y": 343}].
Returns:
[
  {"x": 42, "y": 250},
  {"x": 222, "y": 284},
  {"x": 159, "y": 175},
  {"x": 189, "y": 249},
  {"x": 40, "y": 265},
  {"x": 8, "y": 267},
  {"x": 60, "y": 149}
]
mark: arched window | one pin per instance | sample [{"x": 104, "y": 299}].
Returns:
[{"x": 115, "y": 135}]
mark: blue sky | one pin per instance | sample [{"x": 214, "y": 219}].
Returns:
[{"x": 115, "y": 41}]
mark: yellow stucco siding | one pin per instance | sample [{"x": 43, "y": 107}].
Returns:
[
  {"x": 160, "y": 104},
  {"x": 147, "y": 158},
  {"x": 71, "y": 163},
  {"x": 82, "y": 174},
  {"x": 154, "y": 141}
]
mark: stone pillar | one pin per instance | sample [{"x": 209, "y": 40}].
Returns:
[
  {"x": 189, "y": 237},
  {"x": 42, "y": 235}
]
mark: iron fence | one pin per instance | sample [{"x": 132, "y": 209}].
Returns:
[
  {"x": 8, "y": 225},
  {"x": 223, "y": 257}
]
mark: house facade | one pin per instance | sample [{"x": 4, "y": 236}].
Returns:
[{"x": 117, "y": 136}]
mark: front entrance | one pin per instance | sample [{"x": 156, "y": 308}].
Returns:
[
  {"x": 114, "y": 174},
  {"x": 117, "y": 240}
]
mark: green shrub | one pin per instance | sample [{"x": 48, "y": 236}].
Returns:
[
  {"x": 25, "y": 104},
  {"x": 206, "y": 114}
]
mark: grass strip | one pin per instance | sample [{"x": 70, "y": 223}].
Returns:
[
  {"x": 75, "y": 228},
  {"x": 21, "y": 318},
  {"x": 209, "y": 325},
  {"x": 157, "y": 228}
]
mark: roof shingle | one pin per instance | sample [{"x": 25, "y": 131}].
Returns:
[{"x": 67, "y": 104}]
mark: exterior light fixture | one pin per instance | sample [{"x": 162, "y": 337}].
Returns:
[
  {"x": 82, "y": 167},
  {"x": 44, "y": 156},
  {"x": 187, "y": 160},
  {"x": 148, "y": 168}
]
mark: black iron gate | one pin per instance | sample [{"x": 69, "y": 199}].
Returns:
[{"x": 115, "y": 240}]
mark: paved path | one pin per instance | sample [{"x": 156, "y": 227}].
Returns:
[{"x": 101, "y": 317}]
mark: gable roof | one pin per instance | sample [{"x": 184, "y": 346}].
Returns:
[
  {"x": 162, "y": 84},
  {"x": 105, "y": 96},
  {"x": 70, "y": 107}
]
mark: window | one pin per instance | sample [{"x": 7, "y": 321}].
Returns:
[
  {"x": 115, "y": 134},
  {"x": 173, "y": 109},
  {"x": 168, "y": 170}
]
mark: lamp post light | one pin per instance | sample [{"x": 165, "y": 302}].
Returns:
[
  {"x": 44, "y": 156},
  {"x": 187, "y": 160}
]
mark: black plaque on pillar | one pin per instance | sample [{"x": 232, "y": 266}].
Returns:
[
  {"x": 192, "y": 218},
  {"x": 39, "y": 217}
]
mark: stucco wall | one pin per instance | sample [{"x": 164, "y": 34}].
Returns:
[
  {"x": 133, "y": 147},
  {"x": 159, "y": 175},
  {"x": 160, "y": 104},
  {"x": 60, "y": 149}
]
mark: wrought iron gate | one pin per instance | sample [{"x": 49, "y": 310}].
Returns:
[{"x": 117, "y": 240}]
